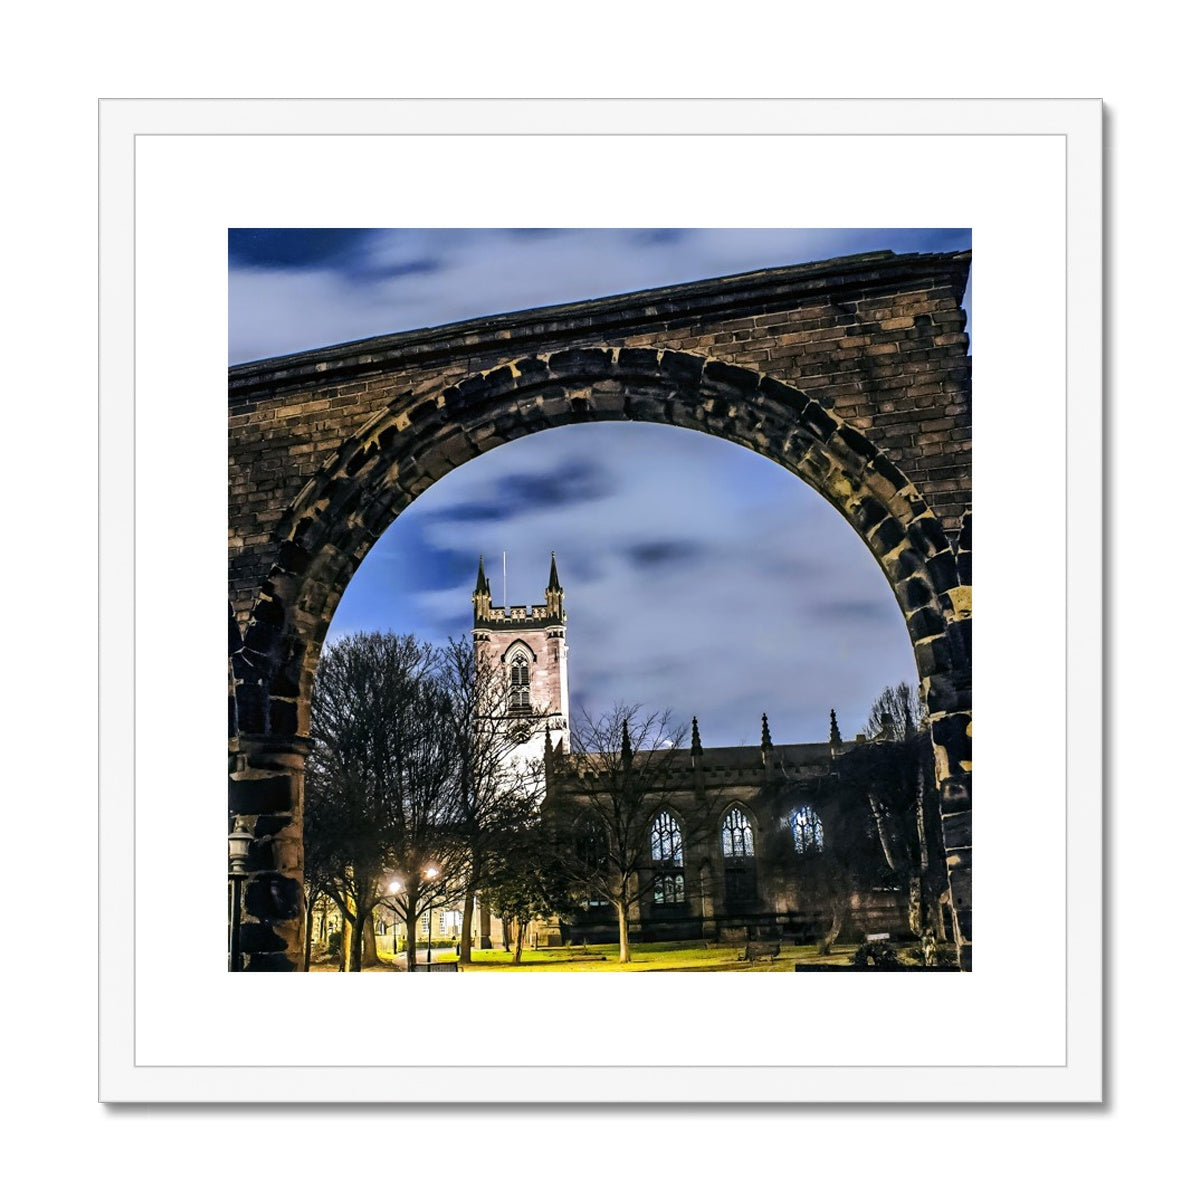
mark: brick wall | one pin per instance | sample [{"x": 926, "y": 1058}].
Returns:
[{"x": 876, "y": 339}]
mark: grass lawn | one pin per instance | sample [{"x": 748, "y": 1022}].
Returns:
[{"x": 649, "y": 956}]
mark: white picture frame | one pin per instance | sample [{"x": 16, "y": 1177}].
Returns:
[{"x": 1026, "y": 1023}]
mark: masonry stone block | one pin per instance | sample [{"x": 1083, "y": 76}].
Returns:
[
  {"x": 682, "y": 369},
  {"x": 886, "y": 537},
  {"x": 588, "y": 362},
  {"x": 283, "y": 716},
  {"x": 269, "y": 794},
  {"x": 273, "y": 898},
  {"x": 924, "y": 622},
  {"x": 638, "y": 360},
  {"x": 258, "y": 938},
  {"x": 951, "y": 734}
]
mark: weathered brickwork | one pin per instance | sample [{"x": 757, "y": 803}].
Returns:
[{"x": 853, "y": 374}]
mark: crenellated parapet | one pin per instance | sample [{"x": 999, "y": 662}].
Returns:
[{"x": 518, "y": 617}]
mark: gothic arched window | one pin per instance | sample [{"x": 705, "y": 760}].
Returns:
[
  {"x": 591, "y": 850},
  {"x": 807, "y": 832},
  {"x": 737, "y": 847},
  {"x": 666, "y": 853},
  {"x": 737, "y": 838},
  {"x": 518, "y": 685},
  {"x": 666, "y": 841},
  {"x": 591, "y": 844}
]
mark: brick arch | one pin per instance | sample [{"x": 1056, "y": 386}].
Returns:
[{"x": 368, "y": 481}]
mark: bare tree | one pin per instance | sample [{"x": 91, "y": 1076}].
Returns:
[
  {"x": 382, "y": 796},
  {"x": 884, "y": 808},
  {"x": 896, "y": 713},
  {"x": 609, "y": 791}
]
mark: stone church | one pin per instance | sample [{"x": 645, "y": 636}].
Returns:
[{"x": 736, "y": 840}]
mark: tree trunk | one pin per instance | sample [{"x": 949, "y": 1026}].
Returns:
[
  {"x": 916, "y": 905},
  {"x": 410, "y": 937},
  {"x": 520, "y": 943},
  {"x": 922, "y": 843},
  {"x": 877, "y": 813},
  {"x": 347, "y": 940},
  {"x": 356, "y": 943},
  {"x": 835, "y": 928},
  {"x": 370, "y": 950},
  {"x": 935, "y": 919},
  {"x": 464, "y": 943},
  {"x": 309, "y": 914},
  {"x": 623, "y": 928}
]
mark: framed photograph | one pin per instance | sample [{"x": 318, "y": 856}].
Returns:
[{"x": 733, "y": 400}]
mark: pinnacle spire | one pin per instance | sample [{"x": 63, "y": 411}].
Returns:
[
  {"x": 766, "y": 733},
  {"x": 697, "y": 749},
  {"x": 626, "y": 748},
  {"x": 482, "y": 588},
  {"x": 553, "y": 585},
  {"x": 835, "y": 734}
]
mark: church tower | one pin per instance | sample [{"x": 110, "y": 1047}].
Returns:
[{"x": 527, "y": 643}]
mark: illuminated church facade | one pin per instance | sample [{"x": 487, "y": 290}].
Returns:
[{"x": 736, "y": 839}]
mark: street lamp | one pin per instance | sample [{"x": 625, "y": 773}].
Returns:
[
  {"x": 240, "y": 838},
  {"x": 430, "y": 873}
]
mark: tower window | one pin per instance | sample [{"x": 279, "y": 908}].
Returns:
[
  {"x": 807, "y": 831},
  {"x": 518, "y": 684}
]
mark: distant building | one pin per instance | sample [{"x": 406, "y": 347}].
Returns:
[{"x": 735, "y": 838}]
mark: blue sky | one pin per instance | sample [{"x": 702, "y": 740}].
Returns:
[{"x": 698, "y": 576}]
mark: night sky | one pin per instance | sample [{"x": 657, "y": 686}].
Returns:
[{"x": 698, "y": 576}]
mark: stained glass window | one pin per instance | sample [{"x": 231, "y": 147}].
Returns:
[
  {"x": 807, "y": 831},
  {"x": 737, "y": 838},
  {"x": 666, "y": 840}
]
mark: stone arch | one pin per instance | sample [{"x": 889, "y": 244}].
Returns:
[
  {"x": 423, "y": 434},
  {"x": 362, "y": 487},
  {"x": 518, "y": 646}
]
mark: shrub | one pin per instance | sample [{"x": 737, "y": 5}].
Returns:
[{"x": 879, "y": 955}]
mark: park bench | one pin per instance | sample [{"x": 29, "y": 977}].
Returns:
[
  {"x": 450, "y": 964},
  {"x": 755, "y": 951}
]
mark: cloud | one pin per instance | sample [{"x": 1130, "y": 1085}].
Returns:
[
  {"x": 700, "y": 578},
  {"x": 293, "y": 290},
  {"x": 646, "y": 555}
]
